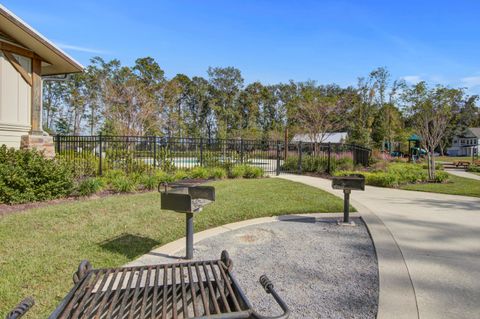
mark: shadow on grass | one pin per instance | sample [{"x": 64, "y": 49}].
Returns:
[{"x": 129, "y": 245}]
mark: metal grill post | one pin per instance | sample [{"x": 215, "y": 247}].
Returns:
[
  {"x": 189, "y": 230},
  {"x": 346, "y": 206}
]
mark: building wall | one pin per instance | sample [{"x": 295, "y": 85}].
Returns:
[
  {"x": 15, "y": 101},
  {"x": 462, "y": 146}
]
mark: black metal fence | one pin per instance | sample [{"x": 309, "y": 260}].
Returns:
[{"x": 94, "y": 155}]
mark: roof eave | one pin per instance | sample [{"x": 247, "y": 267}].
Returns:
[{"x": 62, "y": 64}]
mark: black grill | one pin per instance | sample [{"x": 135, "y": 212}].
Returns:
[{"x": 201, "y": 289}]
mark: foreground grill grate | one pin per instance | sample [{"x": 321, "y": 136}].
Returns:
[
  {"x": 168, "y": 291},
  {"x": 180, "y": 290}
]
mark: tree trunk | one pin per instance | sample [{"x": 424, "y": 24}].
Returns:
[{"x": 431, "y": 164}]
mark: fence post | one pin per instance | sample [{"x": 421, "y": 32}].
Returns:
[
  {"x": 154, "y": 151},
  {"x": 300, "y": 157},
  {"x": 278, "y": 158},
  {"x": 329, "y": 158},
  {"x": 100, "y": 153},
  {"x": 201, "y": 151},
  {"x": 241, "y": 151},
  {"x": 58, "y": 144}
]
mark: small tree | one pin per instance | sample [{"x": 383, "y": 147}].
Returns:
[
  {"x": 319, "y": 115},
  {"x": 431, "y": 111}
]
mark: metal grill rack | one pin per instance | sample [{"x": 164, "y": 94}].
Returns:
[
  {"x": 195, "y": 290},
  {"x": 189, "y": 198}
]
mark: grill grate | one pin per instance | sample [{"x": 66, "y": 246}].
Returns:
[
  {"x": 196, "y": 290},
  {"x": 186, "y": 290}
]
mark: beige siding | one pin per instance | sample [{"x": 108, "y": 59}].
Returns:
[{"x": 15, "y": 101}]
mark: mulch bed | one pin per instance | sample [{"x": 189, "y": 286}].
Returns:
[{"x": 6, "y": 209}]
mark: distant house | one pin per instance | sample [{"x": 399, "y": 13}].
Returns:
[
  {"x": 26, "y": 58},
  {"x": 339, "y": 137},
  {"x": 466, "y": 143}
]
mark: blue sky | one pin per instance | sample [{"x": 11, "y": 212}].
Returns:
[{"x": 273, "y": 41}]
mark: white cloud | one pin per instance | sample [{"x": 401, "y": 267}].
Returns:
[
  {"x": 64, "y": 46},
  {"x": 412, "y": 79},
  {"x": 471, "y": 81}
]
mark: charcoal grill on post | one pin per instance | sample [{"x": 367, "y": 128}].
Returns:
[
  {"x": 193, "y": 290},
  {"x": 188, "y": 198},
  {"x": 348, "y": 183}
]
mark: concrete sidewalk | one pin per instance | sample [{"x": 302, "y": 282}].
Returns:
[
  {"x": 428, "y": 248},
  {"x": 465, "y": 174}
]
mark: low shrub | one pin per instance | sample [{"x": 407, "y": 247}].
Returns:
[
  {"x": 396, "y": 174},
  {"x": 82, "y": 164},
  {"x": 253, "y": 172},
  {"x": 26, "y": 176},
  {"x": 441, "y": 176},
  {"x": 180, "y": 174},
  {"x": 123, "y": 184},
  {"x": 199, "y": 172},
  {"x": 381, "y": 179},
  {"x": 163, "y": 177},
  {"x": 237, "y": 171},
  {"x": 438, "y": 166},
  {"x": 318, "y": 164},
  {"x": 217, "y": 173},
  {"x": 126, "y": 160},
  {"x": 473, "y": 169},
  {"x": 341, "y": 163},
  {"x": 90, "y": 186},
  {"x": 114, "y": 173},
  {"x": 149, "y": 181}
]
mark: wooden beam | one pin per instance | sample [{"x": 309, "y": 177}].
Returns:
[
  {"x": 18, "y": 67},
  {"x": 4, "y": 46},
  {"x": 36, "y": 112}
]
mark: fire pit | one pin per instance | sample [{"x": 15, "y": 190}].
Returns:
[
  {"x": 189, "y": 198},
  {"x": 201, "y": 289}
]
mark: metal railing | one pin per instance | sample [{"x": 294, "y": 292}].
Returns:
[{"x": 94, "y": 155}]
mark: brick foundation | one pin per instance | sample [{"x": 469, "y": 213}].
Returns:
[{"x": 42, "y": 143}]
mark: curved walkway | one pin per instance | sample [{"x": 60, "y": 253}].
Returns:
[
  {"x": 461, "y": 173},
  {"x": 428, "y": 248}
]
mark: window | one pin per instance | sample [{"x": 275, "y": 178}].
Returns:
[{"x": 25, "y": 62}]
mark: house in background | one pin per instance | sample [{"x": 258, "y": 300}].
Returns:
[
  {"x": 26, "y": 58},
  {"x": 339, "y": 137},
  {"x": 466, "y": 143}
]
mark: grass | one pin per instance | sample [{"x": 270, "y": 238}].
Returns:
[
  {"x": 455, "y": 186},
  {"x": 41, "y": 248}
]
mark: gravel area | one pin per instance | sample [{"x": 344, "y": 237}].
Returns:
[{"x": 322, "y": 270}]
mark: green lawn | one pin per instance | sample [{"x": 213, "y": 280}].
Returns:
[
  {"x": 41, "y": 248},
  {"x": 455, "y": 186}
]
